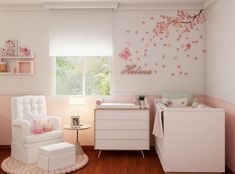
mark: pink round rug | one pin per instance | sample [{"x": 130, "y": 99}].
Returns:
[{"x": 13, "y": 166}]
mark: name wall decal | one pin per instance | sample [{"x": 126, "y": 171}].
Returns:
[{"x": 135, "y": 69}]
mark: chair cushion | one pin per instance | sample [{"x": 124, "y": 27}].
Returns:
[{"x": 43, "y": 137}]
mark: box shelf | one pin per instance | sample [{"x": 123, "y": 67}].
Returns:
[{"x": 24, "y": 67}]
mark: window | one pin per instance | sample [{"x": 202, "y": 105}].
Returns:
[
  {"x": 83, "y": 75},
  {"x": 76, "y": 37}
]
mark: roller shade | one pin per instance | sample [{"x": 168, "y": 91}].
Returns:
[{"x": 80, "y": 32}]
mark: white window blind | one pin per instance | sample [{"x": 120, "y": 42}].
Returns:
[{"x": 80, "y": 32}]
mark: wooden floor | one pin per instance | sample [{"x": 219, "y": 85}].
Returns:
[{"x": 115, "y": 162}]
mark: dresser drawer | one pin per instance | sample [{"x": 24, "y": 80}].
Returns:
[
  {"x": 122, "y": 124},
  {"x": 122, "y": 134},
  {"x": 122, "y": 114},
  {"x": 121, "y": 144}
]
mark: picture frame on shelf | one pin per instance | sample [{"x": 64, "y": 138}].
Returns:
[
  {"x": 75, "y": 121},
  {"x": 11, "y": 48}
]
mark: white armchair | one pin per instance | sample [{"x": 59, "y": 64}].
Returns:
[{"x": 24, "y": 146}]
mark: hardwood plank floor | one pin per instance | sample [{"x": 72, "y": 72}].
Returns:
[
  {"x": 115, "y": 162},
  {"x": 122, "y": 162}
]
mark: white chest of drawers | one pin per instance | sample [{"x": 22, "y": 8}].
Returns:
[{"x": 122, "y": 129}]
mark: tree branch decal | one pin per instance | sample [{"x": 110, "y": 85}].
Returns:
[{"x": 183, "y": 22}]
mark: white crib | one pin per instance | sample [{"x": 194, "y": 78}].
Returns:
[{"x": 193, "y": 139}]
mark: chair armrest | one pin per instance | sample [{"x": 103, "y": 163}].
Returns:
[
  {"x": 55, "y": 121},
  {"x": 20, "y": 129}
]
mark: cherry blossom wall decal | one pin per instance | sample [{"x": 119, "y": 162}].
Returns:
[{"x": 163, "y": 41}]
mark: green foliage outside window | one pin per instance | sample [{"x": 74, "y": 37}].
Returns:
[{"x": 82, "y": 75}]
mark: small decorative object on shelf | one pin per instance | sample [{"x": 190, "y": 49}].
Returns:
[
  {"x": 3, "y": 66},
  {"x": 25, "y": 52},
  {"x": 2, "y": 52},
  {"x": 142, "y": 102},
  {"x": 11, "y": 48}
]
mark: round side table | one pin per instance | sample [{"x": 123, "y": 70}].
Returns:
[{"x": 82, "y": 126}]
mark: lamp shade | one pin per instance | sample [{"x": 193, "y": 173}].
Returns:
[{"x": 78, "y": 100}]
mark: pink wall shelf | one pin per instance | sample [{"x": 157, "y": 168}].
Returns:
[
  {"x": 18, "y": 57},
  {"x": 19, "y": 65}
]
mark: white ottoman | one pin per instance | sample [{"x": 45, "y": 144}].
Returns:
[{"x": 56, "y": 156}]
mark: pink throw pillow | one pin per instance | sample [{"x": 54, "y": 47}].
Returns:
[
  {"x": 47, "y": 127},
  {"x": 40, "y": 126}
]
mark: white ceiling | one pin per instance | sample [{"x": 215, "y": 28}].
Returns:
[
  {"x": 24, "y": 5},
  {"x": 121, "y": 1}
]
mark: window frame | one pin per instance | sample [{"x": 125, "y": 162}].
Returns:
[{"x": 53, "y": 79}]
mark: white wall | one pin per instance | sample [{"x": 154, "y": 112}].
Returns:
[
  {"x": 220, "y": 37},
  {"x": 220, "y": 32},
  {"x": 172, "y": 66},
  {"x": 31, "y": 30}
]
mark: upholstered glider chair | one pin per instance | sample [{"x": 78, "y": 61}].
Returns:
[{"x": 27, "y": 112}]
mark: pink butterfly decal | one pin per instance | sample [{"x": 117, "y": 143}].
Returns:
[{"x": 125, "y": 54}]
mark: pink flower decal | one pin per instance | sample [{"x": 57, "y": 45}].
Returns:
[
  {"x": 125, "y": 54},
  {"x": 188, "y": 46}
]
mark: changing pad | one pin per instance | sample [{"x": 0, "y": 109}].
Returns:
[{"x": 118, "y": 106}]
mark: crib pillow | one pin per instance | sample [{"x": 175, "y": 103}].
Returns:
[
  {"x": 179, "y": 102},
  {"x": 178, "y": 95}
]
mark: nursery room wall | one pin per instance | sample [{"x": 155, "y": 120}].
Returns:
[
  {"x": 167, "y": 57},
  {"x": 31, "y": 29},
  {"x": 220, "y": 38}
]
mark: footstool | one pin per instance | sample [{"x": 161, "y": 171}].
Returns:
[{"x": 56, "y": 156}]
